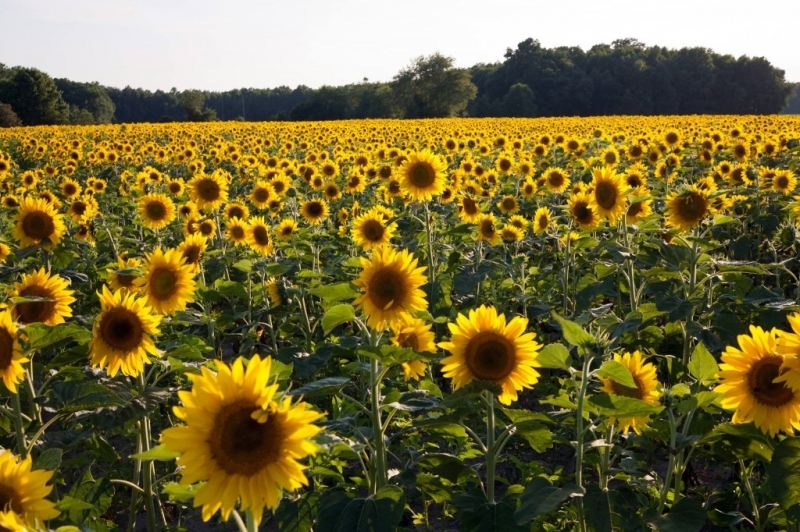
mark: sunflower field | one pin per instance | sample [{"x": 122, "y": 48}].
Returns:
[{"x": 455, "y": 324}]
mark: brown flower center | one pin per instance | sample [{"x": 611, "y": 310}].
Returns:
[
  {"x": 208, "y": 190},
  {"x": 555, "y": 179},
  {"x": 6, "y": 349},
  {"x": 206, "y": 229},
  {"x": 235, "y": 212},
  {"x": 782, "y": 182},
  {"x": 241, "y": 445},
  {"x": 260, "y": 235},
  {"x": 372, "y": 230},
  {"x": 38, "y": 225},
  {"x": 422, "y": 175},
  {"x": 386, "y": 289},
  {"x": 10, "y": 498},
  {"x": 509, "y": 204},
  {"x": 35, "y": 311},
  {"x": 490, "y": 356},
  {"x": 121, "y": 329},
  {"x": 163, "y": 283},
  {"x": 582, "y": 213},
  {"x": 192, "y": 254},
  {"x": 760, "y": 380},
  {"x": 314, "y": 209},
  {"x": 693, "y": 207},
  {"x": 469, "y": 206},
  {"x": 156, "y": 211},
  {"x": 408, "y": 340},
  {"x": 237, "y": 232},
  {"x": 606, "y": 195},
  {"x": 261, "y": 195}
]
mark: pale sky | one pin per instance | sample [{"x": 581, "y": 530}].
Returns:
[{"x": 202, "y": 44}]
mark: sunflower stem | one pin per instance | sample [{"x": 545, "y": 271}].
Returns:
[
  {"x": 19, "y": 426},
  {"x": 36, "y": 412},
  {"x": 239, "y": 523},
  {"x": 580, "y": 433},
  {"x": 673, "y": 434},
  {"x": 605, "y": 457},
  {"x": 431, "y": 265},
  {"x": 491, "y": 451},
  {"x": 751, "y": 495},
  {"x": 251, "y": 522},
  {"x": 379, "y": 460},
  {"x": 147, "y": 469}
]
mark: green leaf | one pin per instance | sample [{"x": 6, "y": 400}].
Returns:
[
  {"x": 187, "y": 348},
  {"x": 618, "y": 372},
  {"x": 686, "y": 516},
  {"x": 327, "y": 386},
  {"x": 297, "y": 515},
  {"x": 541, "y": 497},
  {"x": 620, "y": 406},
  {"x": 181, "y": 492},
  {"x": 573, "y": 333},
  {"x": 74, "y": 396},
  {"x": 335, "y": 292},
  {"x": 391, "y": 355},
  {"x": 744, "y": 441},
  {"x": 529, "y": 426},
  {"x": 378, "y": 513},
  {"x": 244, "y": 265},
  {"x": 448, "y": 467},
  {"x": 337, "y": 315},
  {"x": 67, "y": 504},
  {"x": 231, "y": 289},
  {"x": 554, "y": 356},
  {"x": 784, "y": 473},
  {"x": 703, "y": 365},
  {"x": 159, "y": 452},
  {"x": 477, "y": 514},
  {"x": 41, "y": 336},
  {"x": 50, "y": 459}
]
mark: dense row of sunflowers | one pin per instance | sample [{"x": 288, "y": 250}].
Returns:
[{"x": 260, "y": 312}]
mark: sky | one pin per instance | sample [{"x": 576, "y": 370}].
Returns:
[{"x": 216, "y": 46}]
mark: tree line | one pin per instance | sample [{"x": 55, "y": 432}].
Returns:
[{"x": 624, "y": 77}]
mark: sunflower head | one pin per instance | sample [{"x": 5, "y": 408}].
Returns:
[
  {"x": 423, "y": 175},
  {"x": 645, "y": 389},
  {"x": 753, "y": 384},
  {"x": 11, "y": 359},
  {"x": 484, "y": 347},
  {"x": 49, "y": 298},
  {"x": 168, "y": 283},
  {"x": 390, "y": 283},
  {"x": 240, "y": 439},
  {"x": 370, "y": 231},
  {"x": 38, "y": 222},
  {"x": 686, "y": 209},
  {"x": 23, "y": 491}
]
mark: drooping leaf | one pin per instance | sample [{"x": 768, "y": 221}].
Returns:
[
  {"x": 336, "y": 315},
  {"x": 477, "y": 514},
  {"x": 554, "y": 356},
  {"x": 703, "y": 365},
  {"x": 159, "y": 452},
  {"x": 784, "y": 474},
  {"x": 335, "y": 292},
  {"x": 541, "y": 497},
  {"x": 324, "y": 386},
  {"x": 686, "y": 516},
  {"x": 573, "y": 333},
  {"x": 620, "y": 406},
  {"x": 618, "y": 372},
  {"x": 378, "y": 513}
]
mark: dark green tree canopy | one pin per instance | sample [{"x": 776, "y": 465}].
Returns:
[
  {"x": 431, "y": 87},
  {"x": 90, "y": 97},
  {"x": 34, "y": 97}
]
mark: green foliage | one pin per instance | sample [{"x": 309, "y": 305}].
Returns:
[{"x": 34, "y": 97}]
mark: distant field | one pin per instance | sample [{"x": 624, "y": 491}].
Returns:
[{"x": 471, "y": 324}]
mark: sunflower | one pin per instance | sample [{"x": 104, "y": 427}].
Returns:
[
  {"x": 38, "y": 222},
  {"x": 750, "y": 384},
  {"x": 5, "y": 251},
  {"x": 608, "y": 196},
  {"x": 644, "y": 376},
  {"x": 508, "y": 205},
  {"x": 11, "y": 359},
  {"x": 192, "y": 249},
  {"x": 156, "y": 211},
  {"x": 11, "y": 522},
  {"x": 239, "y": 440},
  {"x": 687, "y": 208},
  {"x": 371, "y": 231},
  {"x": 510, "y": 234},
  {"x": 314, "y": 211},
  {"x": 784, "y": 182},
  {"x": 485, "y": 347},
  {"x": 236, "y": 210},
  {"x": 528, "y": 188},
  {"x": 280, "y": 185},
  {"x": 286, "y": 229},
  {"x": 70, "y": 188},
  {"x": 332, "y": 192},
  {"x": 168, "y": 282},
  {"x": 121, "y": 334},
  {"x": 423, "y": 175},
  {"x": 23, "y": 491},
  {"x": 583, "y": 215},
  {"x": 261, "y": 194},
  {"x": 125, "y": 280},
  {"x": 274, "y": 292},
  {"x": 207, "y": 228},
  {"x": 209, "y": 191},
  {"x": 542, "y": 219},
  {"x": 640, "y": 209},
  {"x": 82, "y": 210},
  {"x": 414, "y": 334},
  {"x": 556, "y": 179},
  {"x": 487, "y": 229},
  {"x": 236, "y": 231},
  {"x": 53, "y": 298},
  {"x": 258, "y": 236},
  {"x": 390, "y": 282},
  {"x": 468, "y": 210},
  {"x": 176, "y": 187}
]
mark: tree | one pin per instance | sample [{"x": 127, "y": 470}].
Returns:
[
  {"x": 519, "y": 101},
  {"x": 8, "y": 118},
  {"x": 90, "y": 97},
  {"x": 34, "y": 97},
  {"x": 193, "y": 102},
  {"x": 430, "y": 87}
]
